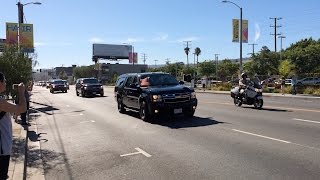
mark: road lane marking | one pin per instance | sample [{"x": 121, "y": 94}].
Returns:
[
  {"x": 273, "y": 107},
  {"x": 304, "y": 120},
  {"x": 266, "y": 137},
  {"x": 140, "y": 151}
]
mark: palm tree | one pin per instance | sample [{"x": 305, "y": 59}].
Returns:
[
  {"x": 187, "y": 50},
  {"x": 197, "y": 52}
]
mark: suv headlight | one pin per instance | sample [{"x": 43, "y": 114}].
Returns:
[
  {"x": 101, "y": 87},
  {"x": 193, "y": 95},
  {"x": 156, "y": 98},
  {"x": 85, "y": 87}
]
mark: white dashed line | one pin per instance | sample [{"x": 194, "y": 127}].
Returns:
[
  {"x": 266, "y": 137},
  {"x": 304, "y": 120}
]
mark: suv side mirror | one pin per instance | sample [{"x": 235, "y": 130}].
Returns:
[{"x": 181, "y": 82}]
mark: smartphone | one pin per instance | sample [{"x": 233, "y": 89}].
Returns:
[{"x": 15, "y": 87}]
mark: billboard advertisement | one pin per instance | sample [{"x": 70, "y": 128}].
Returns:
[
  {"x": 245, "y": 31},
  {"x": 133, "y": 56},
  {"x": 111, "y": 51},
  {"x": 235, "y": 30},
  {"x": 12, "y": 33},
  {"x": 26, "y": 37}
]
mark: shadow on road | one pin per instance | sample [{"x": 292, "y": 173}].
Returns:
[
  {"x": 267, "y": 109},
  {"x": 180, "y": 121}
]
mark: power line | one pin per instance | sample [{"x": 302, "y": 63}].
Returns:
[{"x": 275, "y": 31}]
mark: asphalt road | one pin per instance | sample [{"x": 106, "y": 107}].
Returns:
[{"x": 86, "y": 138}]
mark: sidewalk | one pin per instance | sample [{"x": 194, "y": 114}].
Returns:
[{"x": 22, "y": 144}]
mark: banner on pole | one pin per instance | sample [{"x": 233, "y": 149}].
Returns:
[
  {"x": 12, "y": 33},
  {"x": 235, "y": 30},
  {"x": 26, "y": 37},
  {"x": 245, "y": 31}
]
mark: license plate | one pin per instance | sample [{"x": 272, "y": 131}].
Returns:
[{"x": 177, "y": 111}]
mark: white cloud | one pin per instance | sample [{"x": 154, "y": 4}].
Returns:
[
  {"x": 37, "y": 44},
  {"x": 187, "y": 39},
  {"x": 161, "y": 37},
  {"x": 96, "y": 40},
  {"x": 257, "y": 32},
  {"x": 133, "y": 40}
]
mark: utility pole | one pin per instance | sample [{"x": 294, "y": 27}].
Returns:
[
  {"x": 252, "y": 47},
  {"x": 275, "y": 32},
  {"x": 144, "y": 58},
  {"x": 155, "y": 63},
  {"x": 281, "y": 37},
  {"x": 187, "y": 51},
  {"x": 216, "y": 58}
]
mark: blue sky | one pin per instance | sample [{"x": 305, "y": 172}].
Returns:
[{"x": 64, "y": 30}]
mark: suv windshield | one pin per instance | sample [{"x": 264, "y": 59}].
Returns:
[
  {"x": 58, "y": 82},
  {"x": 90, "y": 81},
  {"x": 160, "y": 79}
]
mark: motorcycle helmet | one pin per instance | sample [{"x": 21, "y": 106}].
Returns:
[{"x": 244, "y": 75}]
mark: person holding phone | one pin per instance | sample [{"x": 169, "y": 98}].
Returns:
[{"x": 6, "y": 124}]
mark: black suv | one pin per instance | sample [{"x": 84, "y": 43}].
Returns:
[
  {"x": 154, "y": 93},
  {"x": 57, "y": 85},
  {"x": 89, "y": 86}
]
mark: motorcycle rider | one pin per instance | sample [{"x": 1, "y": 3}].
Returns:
[{"x": 243, "y": 82}]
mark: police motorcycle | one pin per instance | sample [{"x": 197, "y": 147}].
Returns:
[{"x": 251, "y": 95}]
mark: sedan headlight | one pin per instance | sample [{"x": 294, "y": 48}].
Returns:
[
  {"x": 156, "y": 98},
  {"x": 193, "y": 95}
]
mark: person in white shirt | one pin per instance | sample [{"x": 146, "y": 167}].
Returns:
[{"x": 6, "y": 124}]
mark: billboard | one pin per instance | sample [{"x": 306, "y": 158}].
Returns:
[
  {"x": 12, "y": 33},
  {"x": 26, "y": 37},
  {"x": 111, "y": 51},
  {"x": 245, "y": 31},
  {"x": 235, "y": 30},
  {"x": 2, "y": 44}
]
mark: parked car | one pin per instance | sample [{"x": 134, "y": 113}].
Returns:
[
  {"x": 57, "y": 85},
  {"x": 89, "y": 86},
  {"x": 309, "y": 81},
  {"x": 152, "y": 94}
]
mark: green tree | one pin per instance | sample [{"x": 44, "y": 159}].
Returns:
[
  {"x": 227, "y": 69},
  {"x": 207, "y": 68},
  {"x": 84, "y": 71},
  {"x": 265, "y": 62},
  {"x": 286, "y": 68},
  {"x": 17, "y": 67},
  {"x": 305, "y": 55}
]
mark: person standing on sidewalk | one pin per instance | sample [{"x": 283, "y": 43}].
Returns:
[
  {"x": 24, "y": 115},
  {"x": 6, "y": 125},
  {"x": 294, "y": 85}
]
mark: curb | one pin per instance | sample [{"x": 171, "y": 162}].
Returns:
[
  {"x": 265, "y": 94},
  {"x": 17, "y": 166}
]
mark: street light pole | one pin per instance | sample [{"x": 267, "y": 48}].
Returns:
[{"x": 225, "y": 1}]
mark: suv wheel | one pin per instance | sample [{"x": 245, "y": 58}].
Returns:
[
  {"x": 143, "y": 112},
  {"x": 121, "y": 108},
  {"x": 77, "y": 93}
]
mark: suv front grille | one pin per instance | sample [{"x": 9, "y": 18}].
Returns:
[{"x": 176, "y": 98}]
